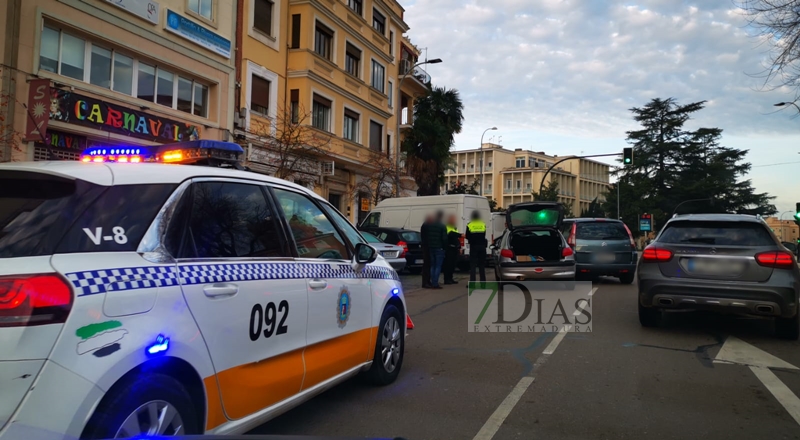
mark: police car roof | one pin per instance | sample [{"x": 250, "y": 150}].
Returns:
[{"x": 109, "y": 173}]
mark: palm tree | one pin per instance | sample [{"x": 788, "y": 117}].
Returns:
[{"x": 438, "y": 117}]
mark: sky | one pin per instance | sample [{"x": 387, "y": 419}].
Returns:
[{"x": 560, "y": 76}]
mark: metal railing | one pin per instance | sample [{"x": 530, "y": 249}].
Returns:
[{"x": 405, "y": 69}]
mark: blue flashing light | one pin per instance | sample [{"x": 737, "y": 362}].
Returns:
[
  {"x": 395, "y": 291},
  {"x": 161, "y": 345}
]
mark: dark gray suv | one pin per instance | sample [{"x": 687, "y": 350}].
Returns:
[{"x": 720, "y": 262}]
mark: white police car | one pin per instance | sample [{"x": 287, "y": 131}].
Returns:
[{"x": 143, "y": 298}]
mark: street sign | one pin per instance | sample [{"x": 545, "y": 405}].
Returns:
[
  {"x": 364, "y": 204},
  {"x": 646, "y": 222}
]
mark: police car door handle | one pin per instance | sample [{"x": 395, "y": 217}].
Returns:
[
  {"x": 317, "y": 284},
  {"x": 217, "y": 290}
]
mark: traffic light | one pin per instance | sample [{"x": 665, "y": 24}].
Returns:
[
  {"x": 627, "y": 156},
  {"x": 797, "y": 213}
]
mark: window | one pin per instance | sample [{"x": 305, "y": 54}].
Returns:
[
  {"x": 372, "y": 221},
  {"x": 66, "y": 55},
  {"x": 323, "y": 41},
  {"x": 391, "y": 42},
  {"x": 349, "y": 231},
  {"x": 335, "y": 200},
  {"x": 508, "y": 184},
  {"x": 489, "y": 186},
  {"x": 352, "y": 60},
  {"x": 259, "y": 95},
  {"x": 165, "y": 87},
  {"x": 295, "y": 31},
  {"x": 463, "y": 166},
  {"x": 356, "y": 5},
  {"x": 262, "y": 16},
  {"x": 520, "y": 162},
  {"x": 294, "y": 100},
  {"x": 230, "y": 220},
  {"x": 489, "y": 164},
  {"x": 718, "y": 233},
  {"x": 100, "y": 67},
  {"x": 201, "y": 8},
  {"x": 350, "y": 125},
  {"x": 390, "y": 92},
  {"x": 375, "y": 136},
  {"x": 519, "y": 184},
  {"x": 378, "y": 22},
  {"x": 313, "y": 232},
  {"x": 321, "y": 113},
  {"x": 378, "y": 76},
  {"x": 528, "y": 186}
]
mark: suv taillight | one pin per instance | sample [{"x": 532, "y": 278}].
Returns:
[
  {"x": 572, "y": 232},
  {"x": 633, "y": 242},
  {"x": 403, "y": 245},
  {"x": 776, "y": 259},
  {"x": 34, "y": 300},
  {"x": 567, "y": 252},
  {"x": 653, "y": 254}
]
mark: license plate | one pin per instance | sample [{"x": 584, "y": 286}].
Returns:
[
  {"x": 713, "y": 266},
  {"x": 605, "y": 258},
  {"x": 417, "y": 261},
  {"x": 389, "y": 254}
]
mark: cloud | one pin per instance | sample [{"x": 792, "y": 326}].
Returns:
[{"x": 572, "y": 69}]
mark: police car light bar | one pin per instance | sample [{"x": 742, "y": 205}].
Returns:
[{"x": 213, "y": 152}]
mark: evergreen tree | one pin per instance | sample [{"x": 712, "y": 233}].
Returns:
[{"x": 594, "y": 210}]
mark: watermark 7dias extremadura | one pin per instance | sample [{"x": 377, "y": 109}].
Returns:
[{"x": 529, "y": 307}]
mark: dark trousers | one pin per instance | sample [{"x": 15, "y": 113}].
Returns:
[
  {"x": 426, "y": 266},
  {"x": 477, "y": 260},
  {"x": 437, "y": 260},
  {"x": 450, "y": 256}
]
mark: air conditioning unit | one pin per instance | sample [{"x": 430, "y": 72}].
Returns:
[{"x": 328, "y": 168}]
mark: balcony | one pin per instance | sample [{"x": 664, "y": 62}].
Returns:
[{"x": 416, "y": 80}]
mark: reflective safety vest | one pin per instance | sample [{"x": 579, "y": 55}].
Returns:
[
  {"x": 476, "y": 226},
  {"x": 451, "y": 229}
]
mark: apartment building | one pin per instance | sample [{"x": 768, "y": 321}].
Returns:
[
  {"x": 785, "y": 230},
  {"x": 511, "y": 176},
  {"x": 333, "y": 67},
  {"x": 122, "y": 73}
]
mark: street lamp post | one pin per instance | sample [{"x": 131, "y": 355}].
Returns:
[
  {"x": 399, "y": 118},
  {"x": 482, "y": 156}
]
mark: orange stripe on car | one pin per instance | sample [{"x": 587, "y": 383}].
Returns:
[
  {"x": 215, "y": 414},
  {"x": 334, "y": 356}
]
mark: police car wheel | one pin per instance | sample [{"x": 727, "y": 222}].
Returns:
[
  {"x": 389, "y": 347},
  {"x": 151, "y": 405}
]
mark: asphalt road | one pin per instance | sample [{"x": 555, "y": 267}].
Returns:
[{"x": 620, "y": 381}]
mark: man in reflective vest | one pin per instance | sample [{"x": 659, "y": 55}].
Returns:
[
  {"x": 476, "y": 235},
  {"x": 451, "y": 251}
]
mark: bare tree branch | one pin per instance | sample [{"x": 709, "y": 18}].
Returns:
[{"x": 778, "y": 22}]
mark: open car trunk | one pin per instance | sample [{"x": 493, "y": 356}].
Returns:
[{"x": 531, "y": 245}]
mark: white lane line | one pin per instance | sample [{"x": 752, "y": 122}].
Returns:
[
  {"x": 557, "y": 340},
  {"x": 491, "y": 426},
  {"x": 779, "y": 390}
]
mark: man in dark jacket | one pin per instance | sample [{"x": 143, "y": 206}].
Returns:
[
  {"x": 451, "y": 252},
  {"x": 437, "y": 240},
  {"x": 476, "y": 235},
  {"x": 426, "y": 252}
]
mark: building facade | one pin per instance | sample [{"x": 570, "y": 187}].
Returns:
[
  {"x": 116, "y": 74},
  {"x": 785, "y": 230},
  {"x": 512, "y": 176},
  {"x": 327, "y": 72}
]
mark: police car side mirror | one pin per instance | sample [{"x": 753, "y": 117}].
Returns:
[{"x": 365, "y": 254}]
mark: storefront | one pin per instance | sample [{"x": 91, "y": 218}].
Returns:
[{"x": 78, "y": 122}]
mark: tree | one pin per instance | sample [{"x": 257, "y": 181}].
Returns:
[
  {"x": 550, "y": 194},
  {"x": 463, "y": 188},
  {"x": 594, "y": 210},
  {"x": 438, "y": 117},
  {"x": 292, "y": 148},
  {"x": 494, "y": 207},
  {"x": 673, "y": 165},
  {"x": 379, "y": 183},
  {"x": 779, "y": 23}
]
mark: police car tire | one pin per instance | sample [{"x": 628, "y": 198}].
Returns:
[
  {"x": 115, "y": 408},
  {"x": 377, "y": 374}
]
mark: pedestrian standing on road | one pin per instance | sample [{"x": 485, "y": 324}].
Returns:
[
  {"x": 451, "y": 252},
  {"x": 437, "y": 240},
  {"x": 426, "y": 252},
  {"x": 476, "y": 235}
]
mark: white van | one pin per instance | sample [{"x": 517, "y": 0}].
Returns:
[
  {"x": 410, "y": 212},
  {"x": 498, "y": 226}
]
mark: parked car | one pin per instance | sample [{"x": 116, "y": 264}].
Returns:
[
  {"x": 533, "y": 247},
  {"x": 603, "y": 247},
  {"x": 410, "y": 241},
  {"x": 720, "y": 262},
  {"x": 392, "y": 253}
]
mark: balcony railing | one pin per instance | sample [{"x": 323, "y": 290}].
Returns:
[
  {"x": 405, "y": 69},
  {"x": 506, "y": 190}
]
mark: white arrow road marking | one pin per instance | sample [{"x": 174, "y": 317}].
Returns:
[
  {"x": 736, "y": 351},
  {"x": 499, "y": 415},
  {"x": 779, "y": 390}
]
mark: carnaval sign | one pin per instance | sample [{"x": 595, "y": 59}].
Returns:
[{"x": 72, "y": 108}]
